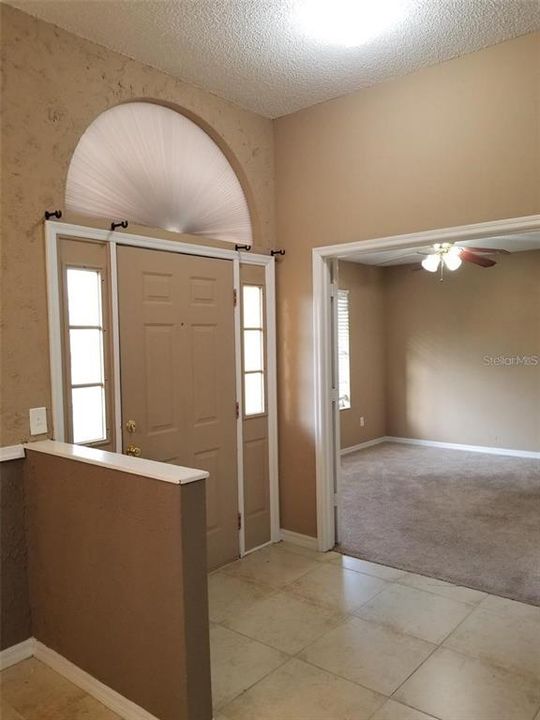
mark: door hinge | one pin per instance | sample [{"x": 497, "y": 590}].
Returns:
[
  {"x": 237, "y": 410},
  {"x": 332, "y": 290},
  {"x": 239, "y": 521},
  {"x": 235, "y": 297},
  {"x": 336, "y": 500}
]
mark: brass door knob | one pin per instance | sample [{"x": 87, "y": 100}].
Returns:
[
  {"x": 133, "y": 451},
  {"x": 131, "y": 426}
]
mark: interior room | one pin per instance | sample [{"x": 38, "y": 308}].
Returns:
[
  {"x": 203, "y": 516},
  {"x": 440, "y": 412}
]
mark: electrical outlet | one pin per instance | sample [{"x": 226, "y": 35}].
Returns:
[
  {"x": 38, "y": 421},
  {"x": 362, "y": 421}
]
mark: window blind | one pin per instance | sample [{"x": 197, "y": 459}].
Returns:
[{"x": 343, "y": 335}]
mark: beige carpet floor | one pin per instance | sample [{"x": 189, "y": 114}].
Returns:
[{"x": 469, "y": 518}]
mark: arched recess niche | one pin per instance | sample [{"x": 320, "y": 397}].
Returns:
[{"x": 154, "y": 166}]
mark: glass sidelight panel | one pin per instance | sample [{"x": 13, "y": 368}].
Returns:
[
  {"x": 254, "y": 393},
  {"x": 253, "y": 350},
  {"x": 86, "y": 355},
  {"x": 86, "y": 352},
  {"x": 88, "y": 408},
  {"x": 253, "y": 311},
  {"x": 84, "y": 297},
  {"x": 253, "y": 341}
]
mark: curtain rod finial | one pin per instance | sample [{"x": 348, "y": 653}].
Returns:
[{"x": 122, "y": 224}]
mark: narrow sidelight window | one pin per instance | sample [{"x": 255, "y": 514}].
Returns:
[
  {"x": 344, "y": 364},
  {"x": 253, "y": 360},
  {"x": 86, "y": 355}
]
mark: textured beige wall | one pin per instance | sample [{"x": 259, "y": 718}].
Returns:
[
  {"x": 367, "y": 354},
  {"x": 441, "y": 383},
  {"x": 421, "y": 354},
  {"x": 451, "y": 144},
  {"x": 15, "y": 622},
  {"x": 54, "y": 85}
]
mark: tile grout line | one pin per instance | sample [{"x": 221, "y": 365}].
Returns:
[
  {"x": 437, "y": 647},
  {"x": 398, "y": 580},
  {"x": 480, "y": 658},
  {"x": 493, "y": 665},
  {"x": 346, "y": 619},
  {"x": 340, "y": 677},
  {"x": 410, "y": 707},
  {"x": 347, "y": 616},
  {"x": 307, "y": 662},
  {"x": 438, "y": 594},
  {"x": 296, "y": 656},
  {"x": 256, "y": 640},
  {"x": 223, "y": 705},
  {"x": 281, "y": 587},
  {"x": 467, "y": 616},
  {"x": 288, "y": 655}
]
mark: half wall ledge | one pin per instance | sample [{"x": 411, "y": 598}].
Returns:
[{"x": 165, "y": 472}]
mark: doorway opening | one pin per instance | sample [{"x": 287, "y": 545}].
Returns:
[{"x": 420, "y": 383}]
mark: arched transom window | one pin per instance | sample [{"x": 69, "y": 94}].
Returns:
[{"x": 153, "y": 166}]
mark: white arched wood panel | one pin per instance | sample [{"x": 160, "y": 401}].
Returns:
[{"x": 150, "y": 165}]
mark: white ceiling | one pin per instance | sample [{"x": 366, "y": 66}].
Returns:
[
  {"x": 514, "y": 243},
  {"x": 252, "y": 52}
]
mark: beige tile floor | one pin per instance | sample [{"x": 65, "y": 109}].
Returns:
[
  {"x": 32, "y": 691},
  {"x": 296, "y": 635}
]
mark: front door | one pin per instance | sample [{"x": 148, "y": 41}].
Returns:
[{"x": 177, "y": 360}]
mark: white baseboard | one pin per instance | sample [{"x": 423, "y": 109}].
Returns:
[
  {"x": 259, "y": 547},
  {"x": 361, "y": 446},
  {"x": 106, "y": 695},
  {"x": 16, "y": 653},
  {"x": 531, "y": 454},
  {"x": 468, "y": 448},
  {"x": 295, "y": 538}
]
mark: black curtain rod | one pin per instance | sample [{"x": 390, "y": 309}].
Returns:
[
  {"x": 122, "y": 224},
  {"x": 53, "y": 213}
]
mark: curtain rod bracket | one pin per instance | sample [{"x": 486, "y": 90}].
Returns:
[
  {"x": 247, "y": 248},
  {"x": 53, "y": 213},
  {"x": 277, "y": 252},
  {"x": 122, "y": 224}
]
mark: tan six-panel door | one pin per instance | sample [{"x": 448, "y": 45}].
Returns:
[{"x": 178, "y": 375}]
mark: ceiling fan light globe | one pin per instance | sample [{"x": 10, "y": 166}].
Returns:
[
  {"x": 452, "y": 261},
  {"x": 431, "y": 263}
]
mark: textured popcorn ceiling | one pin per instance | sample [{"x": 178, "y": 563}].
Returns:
[{"x": 252, "y": 53}]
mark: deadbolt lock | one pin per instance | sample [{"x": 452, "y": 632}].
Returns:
[
  {"x": 133, "y": 451},
  {"x": 131, "y": 426}
]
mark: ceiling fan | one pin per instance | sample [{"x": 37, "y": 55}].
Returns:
[{"x": 448, "y": 256}]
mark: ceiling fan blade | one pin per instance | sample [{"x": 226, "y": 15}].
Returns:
[
  {"x": 486, "y": 250},
  {"x": 481, "y": 260}
]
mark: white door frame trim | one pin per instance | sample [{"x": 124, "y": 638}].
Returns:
[
  {"x": 325, "y": 448},
  {"x": 54, "y": 230}
]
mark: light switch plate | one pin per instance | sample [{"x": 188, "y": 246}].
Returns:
[{"x": 38, "y": 421}]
